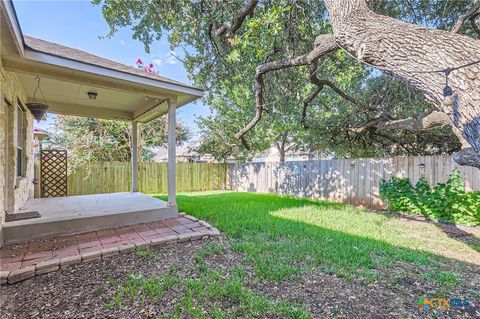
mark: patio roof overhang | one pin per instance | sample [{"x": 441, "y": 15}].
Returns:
[
  {"x": 67, "y": 75},
  {"x": 65, "y": 84}
]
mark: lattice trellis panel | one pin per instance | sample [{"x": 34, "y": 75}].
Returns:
[{"x": 53, "y": 172}]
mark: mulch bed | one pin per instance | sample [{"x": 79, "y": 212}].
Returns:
[{"x": 69, "y": 293}]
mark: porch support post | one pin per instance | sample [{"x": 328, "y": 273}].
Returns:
[
  {"x": 134, "y": 156},
  {"x": 172, "y": 201}
]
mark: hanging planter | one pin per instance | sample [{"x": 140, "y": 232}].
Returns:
[{"x": 38, "y": 109}]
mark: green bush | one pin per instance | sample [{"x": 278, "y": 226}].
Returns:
[{"x": 446, "y": 201}]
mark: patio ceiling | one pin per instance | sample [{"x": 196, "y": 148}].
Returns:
[
  {"x": 71, "y": 98},
  {"x": 67, "y": 75}
]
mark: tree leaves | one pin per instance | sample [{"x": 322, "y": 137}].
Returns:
[
  {"x": 278, "y": 29},
  {"x": 89, "y": 139}
]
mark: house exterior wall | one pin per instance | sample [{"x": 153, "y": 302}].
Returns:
[
  {"x": 14, "y": 191},
  {"x": 3, "y": 123}
]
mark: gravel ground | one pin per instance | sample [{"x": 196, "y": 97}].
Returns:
[{"x": 84, "y": 290}]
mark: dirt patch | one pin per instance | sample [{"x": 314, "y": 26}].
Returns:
[
  {"x": 393, "y": 295},
  {"x": 88, "y": 290}
]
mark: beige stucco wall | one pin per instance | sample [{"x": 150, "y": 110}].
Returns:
[{"x": 19, "y": 190}]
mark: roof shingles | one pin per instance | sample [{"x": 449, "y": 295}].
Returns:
[{"x": 85, "y": 57}]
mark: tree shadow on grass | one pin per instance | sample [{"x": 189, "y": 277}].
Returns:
[
  {"x": 277, "y": 244},
  {"x": 457, "y": 233}
]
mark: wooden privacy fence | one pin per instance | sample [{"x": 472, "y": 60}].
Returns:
[
  {"x": 111, "y": 177},
  {"x": 350, "y": 181}
]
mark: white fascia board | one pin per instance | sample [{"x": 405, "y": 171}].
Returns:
[
  {"x": 12, "y": 17},
  {"x": 90, "y": 68},
  {"x": 189, "y": 100}
]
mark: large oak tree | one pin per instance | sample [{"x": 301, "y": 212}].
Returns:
[
  {"x": 411, "y": 53},
  {"x": 414, "y": 53}
]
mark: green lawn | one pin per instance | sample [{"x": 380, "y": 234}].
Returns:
[
  {"x": 204, "y": 292},
  {"x": 284, "y": 257},
  {"x": 285, "y": 236}
]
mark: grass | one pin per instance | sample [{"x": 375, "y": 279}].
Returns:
[
  {"x": 137, "y": 285},
  {"x": 97, "y": 291},
  {"x": 285, "y": 236},
  {"x": 213, "y": 296},
  {"x": 146, "y": 253},
  {"x": 208, "y": 250},
  {"x": 208, "y": 294}
]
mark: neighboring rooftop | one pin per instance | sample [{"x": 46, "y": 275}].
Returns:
[{"x": 185, "y": 150}]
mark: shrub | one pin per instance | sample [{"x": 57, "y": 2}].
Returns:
[{"x": 446, "y": 201}]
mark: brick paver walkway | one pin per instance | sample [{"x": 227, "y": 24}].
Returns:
[{"x": 42, "y": 255}]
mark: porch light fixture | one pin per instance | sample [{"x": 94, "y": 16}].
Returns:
[
  {"x": 38, "y": 109},
  {"x": 92, "y": 95}
]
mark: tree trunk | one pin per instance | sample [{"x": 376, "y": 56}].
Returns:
[
  {"x": 281, "y": 154},
  {"x": 139, "y": 146},
  {"x": 406, "y": 51},
  {"x": 282, "y": 146},
  {"x": 281, "y": 150}
]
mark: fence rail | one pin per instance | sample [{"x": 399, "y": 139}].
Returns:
[
  {"x": 349, "y": 181},
  {"x": 111, "y": 177}
]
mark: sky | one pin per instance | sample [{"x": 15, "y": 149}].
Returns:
[{"x": 79, "y": 24}]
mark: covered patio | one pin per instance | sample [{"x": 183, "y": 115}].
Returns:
[
  {"x": 77, "y": 83},
  {"x": 77, "y": 214}
]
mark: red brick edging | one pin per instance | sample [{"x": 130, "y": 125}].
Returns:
[{"x": 177, "y": 231}]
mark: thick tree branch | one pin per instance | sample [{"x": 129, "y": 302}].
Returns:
[
  {"x": 290, "y": 147},
  {"x": 306, "y": 103},
  {"x": 474, "y": 24},
  {"x": 470, "y": 14},
  {"x": 411, "y": 50},
  {"x": 258, "y": 88},
  {"x": 229, "y": 28},
  {"x": 320, "y": 85},
  {"x": 419, "y": 124},
  {"x": 324, "y": 44},
  {"x": 468, "y": 157}
]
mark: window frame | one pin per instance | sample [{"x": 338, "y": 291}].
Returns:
[{"x": 21, "y": 140}]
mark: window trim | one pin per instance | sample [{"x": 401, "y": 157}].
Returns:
[
  {"x": 6, "y": 189},
  {"x": 21, "y": 140}
]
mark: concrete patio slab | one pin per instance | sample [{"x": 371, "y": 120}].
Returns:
[{"x": 76, "y": 214}]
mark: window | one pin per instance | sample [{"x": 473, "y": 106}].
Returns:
[{"x": 20, "y": 140}]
